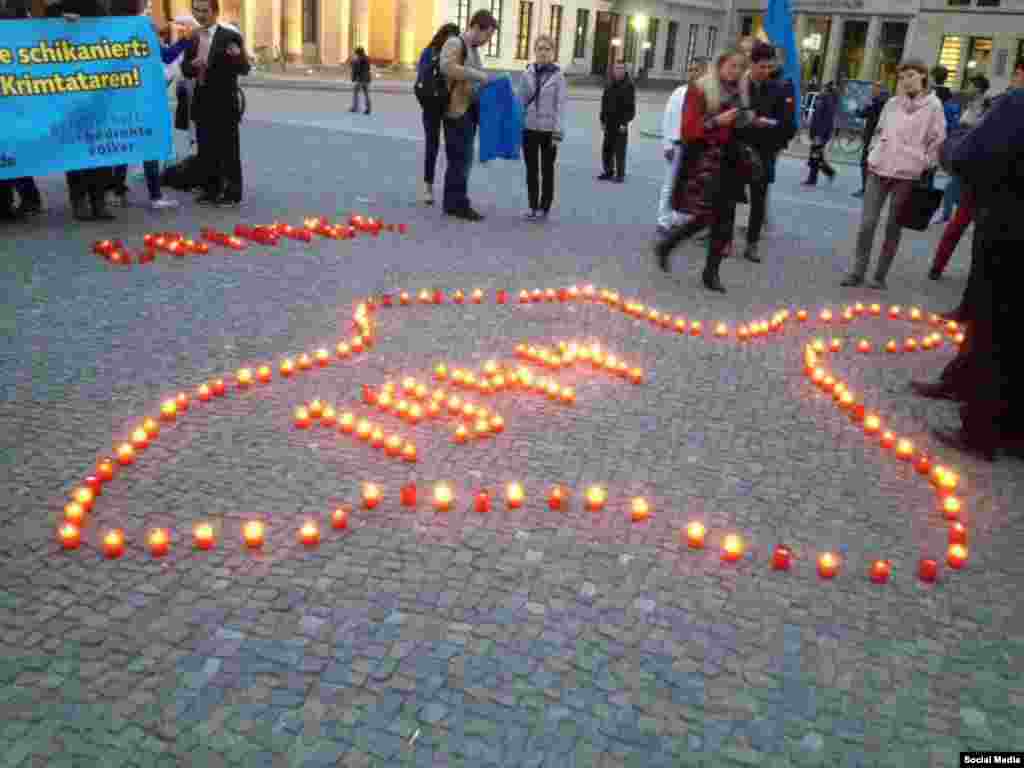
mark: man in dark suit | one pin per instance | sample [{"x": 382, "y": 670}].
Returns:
[
  {"x": 215, "y": 60},
  {"x": 767, "y": 134}
]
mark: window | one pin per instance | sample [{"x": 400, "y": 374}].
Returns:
[
  {"x": 555, "y": 27},
  {"x": 956, "y": 3},
  {"x": 951, "y": 57},
  {"x": 691, "y": 45},
  {"x": 894, "y": 33},
  {"x": 525, "y": 31},
  {"x": 670, "y": 44},
  {"x": 712, "y": 40},
  {"x": 462, "y": 14},
  {"x": 651, "y": 44},
  {"x": 579, "y": 46},
  {"x": 630, "y": 49},
  {"x": 988, "y": 3},
  {"x": 494, "y": 45},
  {"x": 979, "y": 56},
  {"x": 309, "y": 21}
]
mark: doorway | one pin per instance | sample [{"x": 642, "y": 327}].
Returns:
[{"x": 604, "y": 30}]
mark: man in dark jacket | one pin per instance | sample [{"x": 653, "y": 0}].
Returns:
[
  {"x": 360, "y": 79},
  {"x": 215, "y": 59},
  {"x": 618, "y": 108},
  {"x": 767, "y": 134},
  {"x": 822, "y": 125},
  {"x": 871, "y": 112}
]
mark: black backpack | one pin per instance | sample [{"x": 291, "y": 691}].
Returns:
[{"x": 431, "y": 88}]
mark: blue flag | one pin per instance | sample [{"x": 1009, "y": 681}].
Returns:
[
  {"x": 778, "y": 25},
  {"x": 84, "y": 94}
]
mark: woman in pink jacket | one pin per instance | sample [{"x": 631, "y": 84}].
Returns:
[{"x": 906, "y": 146}]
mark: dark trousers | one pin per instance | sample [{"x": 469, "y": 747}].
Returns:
[
  {"x": 356, "y": 89},
  {"x": 721, "y": 222},
  {"x": 220, "y": 157},
  {"x": 92, "y": 184},
  {"x": 758, "y": 209},
  {"x": 818, "y": 162},
  {"x": 613, "y": 150},
  {"x": 6, "y": 198},
  {"x": 28, "y": 191},
  {"x": 459, "y": 134},
  {"x": 432, "y": 132},
  {"x": 152, "y": 170},
  {"x": 542, "y": 144}
]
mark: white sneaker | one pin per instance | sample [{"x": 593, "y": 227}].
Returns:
[
  {"x": 162, "y": 203},
  {"x": 426, "y": 193}
]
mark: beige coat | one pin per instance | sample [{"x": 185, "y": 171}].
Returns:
[{"x": 462, "y": 77}]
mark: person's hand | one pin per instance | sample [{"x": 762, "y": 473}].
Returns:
[
  {"x": 669, "y": 154},
  {"x": 623, "y": 128},
  {"x": 233, "y": 49},
  {"x": 728, "y": 117}
]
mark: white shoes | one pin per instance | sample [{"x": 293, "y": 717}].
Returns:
[
  {"x": 163, "y": 203},
  {"x": 426, "y": 193}
]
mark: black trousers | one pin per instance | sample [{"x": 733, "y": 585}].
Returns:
[
  {"x": 819, "y": 162},
  {"x": 28, "y": 191},
  {"x": 540, "y": 145},
  {"x": 6, "y": 198},
  {"x": 220, "y": 157},
  {"x": 432, "y": 131},
  {"x": 613, "y": 150},
  {"x": 758, "y": 209},
  {"x": 92, "y": 184}
]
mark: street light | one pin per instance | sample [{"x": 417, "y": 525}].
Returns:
[{"x": 639, "y": 26}]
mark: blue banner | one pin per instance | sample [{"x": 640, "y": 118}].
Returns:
[
  {"x": 83, "y": 94},
  {"x": 778, "y": 25}
]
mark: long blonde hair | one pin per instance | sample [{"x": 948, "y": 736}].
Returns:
[{"x": 711, "y": 84}]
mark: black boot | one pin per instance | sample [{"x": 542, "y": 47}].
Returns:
[
  {"x": 664, "y": 244},
  {"x": 100, "y": 211},
  {"x": 710, "y": 276},
  {"x": 80, "y": 209}
]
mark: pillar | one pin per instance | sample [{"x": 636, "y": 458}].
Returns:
[
  {"x": 911, "y": 39},
  {"x": 405, "y": 33},
  {"x": 869, "y": 67},
  {"x": 335, "y": 28},
  {"x": 835, "y": 46},
  {"x": 360, "y": 24},
  {"x": 291, "y": 22},
  {"x": 800, "y": 31}
]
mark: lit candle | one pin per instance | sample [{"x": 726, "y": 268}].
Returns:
[
  {"x": 846, "y": 400},
  {"x": 244, "y": 377},
  {"x": 951, "y": 508},
  {"x": 408, "y": 495},
  {"x": 409, "y": 452},
  {"x": 696, "y": 329},
  {"x": 139, "y": 439},
  {"x": 864, "y": 346},
  {"x": 219, "y": 387},
  {"x": 287, "y": 367},
  {"x": 105, "y": 470},
  {"x": 596, "y": 497},
  {"x": 910, "y": 345},
  {"x": 203, "y": 536},
  {"x": 948, "y": 481},
  {"x": 801, "y": 315},
  {"x": 894, "y": 312},
  {"x": 872, "y": 424},
  {"x": 639, "y": 509},
  {"x": 904, "y": 449},
  {"x": 876, "y": 309},
  {"x": 339, "y": 517},
  {"x": 302, "y": 417},
  {"x": 557, "y": 497},
  {"x": 857, "y": 412},
  {"x": 113, "y": 543},
  {"x": 818, "y": 376},
  {"x": 309, "y": 534},
  {"x": 482, "y": 502},
  {"x": 305, "y": 362},
  {"x": 168, "y": 410},
  {"x": 826, "y": 315},
  {"x": 828, "y": 565},
  {"x": 443, "y": 497},
  {"x": 159, "y": 542},
  {"x": 316, "y": 408},
  {"x": 459, "y": 296},
  {"x": 371, "y": 495},
  {"x": 891, "y": 346},
  {"x": 94, "y": 484},
  {"x": 393, "y": 445},
  {"x": 888, "y": 439},
  {"x": 343, "y": 350},
  {"x": 461, "y": 434},
  {"x": 74, "y": 513},
  {"x": 732, "y": 548},
  {"x": 695, "y": 533},
  {"x": 956, "y": 556},
  {"x": 782, "y": 558},
  {"x": 125, "y": 454},
  {"x": 958, "y": 533},
  {"x": 721, "y": 330},
  {"x": 915, "y": 313},
  {"x": 263, "y": 373},
  {"x": 636, "y": 375},
  {"x": 329, "y": 417},
  {"x": 70, "y": 536},
  {"x": 928, "y": 570},
  {"x": 204, "y": 393},
  {"x": 253, "y": 534},
  {"x": 880, "y": 571},
  {"x": 835, "y": 345}
]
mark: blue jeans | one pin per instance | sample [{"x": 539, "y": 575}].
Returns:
[
  {"x": 459, "y": 135},
  {"x": 432, "y": 132},
  {"x": 950, "y": 197}
]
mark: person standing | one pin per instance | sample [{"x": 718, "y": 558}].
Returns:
[
  {"x": 823, "y": 123},
  {"x": 543, "y": 92},
  {"x": 870, "y": 112},
  {"x": 464, "y": 73},
  {"x": 30, "y": 202},
  {"x": 910, "y": 131},
  {"x": 767, "y": 135},
  {"x": 360, "y": 79},
  {"x": 711, "y": 176},
  {"x": 215, "y": 59},
  {"x": 429, "y": 84},
  {"x": 672, "y": 143},
  {"x": 618, "y": 108}
]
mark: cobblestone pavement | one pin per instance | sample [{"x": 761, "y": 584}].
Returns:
[{"x": 517, "y": 637}]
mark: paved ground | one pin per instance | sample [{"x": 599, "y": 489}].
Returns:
[{"x": 519, "y": 637}]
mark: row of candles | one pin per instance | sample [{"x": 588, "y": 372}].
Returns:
[
  {"x": 348, "y": 423},
  {"x": 177, "y": 244},
  {"x": 695, "y": 534}
]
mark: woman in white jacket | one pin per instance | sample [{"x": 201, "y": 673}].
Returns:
[
  {"x": 543, "y": 94},
  {"x": 672, "y": 143}
]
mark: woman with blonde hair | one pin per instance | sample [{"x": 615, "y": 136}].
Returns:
[
  {"x": 714, "y": 169},
  {"x": 543, "y": 94}
]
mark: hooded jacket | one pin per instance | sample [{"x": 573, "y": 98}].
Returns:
[
  {"x": 546, "y": 110},
  {"x": 618, "y": 102},
  {"x": 910, "y": 133}
]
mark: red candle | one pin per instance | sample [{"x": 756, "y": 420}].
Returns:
[
  {"x": 219, "y": 388},
  {"x": 732, "y": 548},
  {"x": 828, "y": 565},
  {"x": 159, "y": 542},
  {"x": 695, "y": 533},
  {"x": 302, "y": 417},
  {"x": 105, "y": 470},
  {"x": 408, "y": 495},
  {"x": 904, "y": 450},
  {"x": 168, "y": 410},
  {"x": 371, "y": 495},
  {"x": 514, "y": 495},
  {"x": 70, "y": 536},
  {"x": 74, "y": 513},
  {"x": 339, "y": 517},
  {"x": 85, "y": 497},
  {"x": 287, "y": 367},
  {"x": 482, "y": 503},
  {"x": 113, "y": 543},
  {"x": 253, "y": 534},
  {"x": 958, "y": 533},
  {"x": 316, "y": 408},
  {"x": 94, "y": 484},
  {"x": 203, "y": 536},
  {"x": 923, "y": 465},
  {"x": 782, "y": 558},
  {"x": 204, "y": 393},
  {"x": 501, "y": 296},
  {"x": 596, "y": 497},
  {"x": 928, "y": 570},
  {"x": 263, "y": 374},
  {"x": 309, "y": 534},
  {"x": 880, "y": 571},
  {"x": 951, "y": 508},
  {"x": 409, "y": 452},
  {"x": 556, "y": 498},
  {"x": 244, "y": 377},
  {"x": 125, "y": 454},
  {"x": 956, "y": 556},
  {"x": 443, "y": 497}
]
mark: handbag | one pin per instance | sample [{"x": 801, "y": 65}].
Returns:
[{"x": 920, "y": 206}]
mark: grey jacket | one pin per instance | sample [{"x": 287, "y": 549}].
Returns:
[{"x": 547, "y": 111}]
